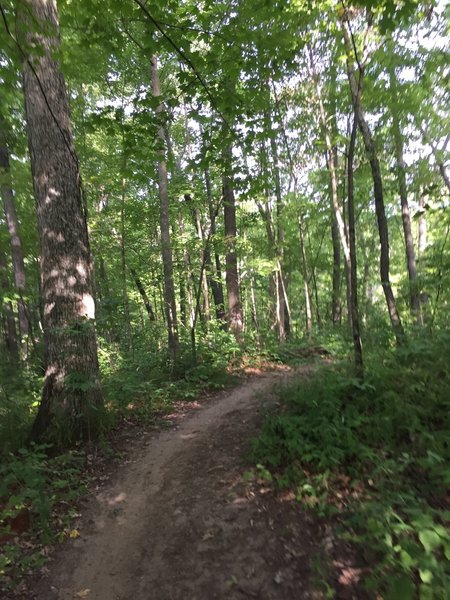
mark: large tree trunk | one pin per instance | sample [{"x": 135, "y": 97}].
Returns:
[
  {"x": 164, "y": 221},
  {"x": 71, "y": 397},
  {"x": 234, "y": 312},
  {"x": 355, "y": 322},
  {"x": 13, "y": 228},
  {"x": 414, "y": 298},
  {"x": 355, "y": 88}
]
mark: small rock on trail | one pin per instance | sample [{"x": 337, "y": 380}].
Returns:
[{"x": 180, "y": 523}]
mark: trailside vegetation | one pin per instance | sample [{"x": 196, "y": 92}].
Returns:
[{"x": 186, "y": 188}]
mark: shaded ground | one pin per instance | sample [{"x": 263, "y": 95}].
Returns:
[{"x": 179, "y": 521}]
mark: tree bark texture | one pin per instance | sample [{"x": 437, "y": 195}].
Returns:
[{"x": 71, "y": 396}]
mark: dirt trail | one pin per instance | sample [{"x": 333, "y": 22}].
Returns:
[{"x": 179, "y": 522}]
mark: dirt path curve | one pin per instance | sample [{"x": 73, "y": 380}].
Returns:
[{"x": 180, "y": 523}]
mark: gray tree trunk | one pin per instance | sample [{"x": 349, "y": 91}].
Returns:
[{"x": 71, "y": 398}]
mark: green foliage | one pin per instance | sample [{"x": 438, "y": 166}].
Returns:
[
  {"x": 144, "y": 382},
  {"x": 377, "y": 454},
  {"x": 36, "y": 494},
  {"x": 19, "y": 396}
]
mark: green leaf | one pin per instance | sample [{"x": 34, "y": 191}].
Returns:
[
  {"x": 401, "y": 588},
  {"x": 426, "y": 575},
  {"x": 429, "y": 539},
  {"x": 447, "y": 551}
]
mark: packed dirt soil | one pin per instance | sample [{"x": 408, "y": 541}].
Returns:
[{"x": 179, "y": 520}]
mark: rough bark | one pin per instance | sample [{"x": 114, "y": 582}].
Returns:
[
  {"x": 414, "y": 299},
  {"x": 234, "y": 313},
  {"x": 383, "y": 232},
  {"x": 13, "y": 229},
  {"x": 164, "y": 221},
  {"x": 71, "y": 397}
]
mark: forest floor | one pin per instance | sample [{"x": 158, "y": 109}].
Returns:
[{"x": 181, "y": 519}]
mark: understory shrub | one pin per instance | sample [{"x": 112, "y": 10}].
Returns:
[{"x": 376, "y": 454}]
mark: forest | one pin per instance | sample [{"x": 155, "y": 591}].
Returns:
[{"x": 193, "y": 192}]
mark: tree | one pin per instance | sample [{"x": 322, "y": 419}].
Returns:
[
  {"x": 234, "y": 313},
  {"x": 355, "y": 90},
  {"x": 71, "y": 397},
  {"x": 13, "y": 228},
  {"x": 164, "y": 220}
]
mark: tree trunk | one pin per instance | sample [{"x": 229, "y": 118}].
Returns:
[
  {"x": 383, "y": 231},
  {"x": 9, "y": 324},
  {"x": 355, "y": 323},
  {"x": 143, "y": 293},
  {"x": 13, "y": 228},
  {"x": 281, "y": 281},
  {"x": 234, "y": 312},
  {"x": 71, "y": 399},
  {"x": 406, "y": 219},
  {"x": 123, "y": 270},
  {"x": 424, "y": 300},
  {"x": 308, "y": 314},
  {"x": 338, "y": 229},
  {"x": 205, "y": 256},
  {"x": 164, "y": 220},
  {"x": 216, "y": 278}
]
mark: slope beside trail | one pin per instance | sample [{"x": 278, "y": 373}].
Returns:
[{"x": 179, "y": 521}]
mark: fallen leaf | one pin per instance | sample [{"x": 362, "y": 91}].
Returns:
[
  {"x": 74, "y": 533},
  {"x": 83, "y": 593}
]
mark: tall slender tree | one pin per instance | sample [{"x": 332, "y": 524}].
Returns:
[
  {"x": 164, "y": 219},
  {"x": 13, "y": 228}
]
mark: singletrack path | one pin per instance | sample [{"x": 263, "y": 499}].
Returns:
[{"x": 179, "y": 521}]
